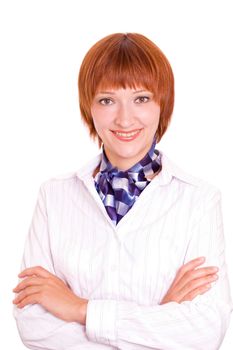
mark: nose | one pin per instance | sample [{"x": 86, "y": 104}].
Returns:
[{"x": 124, "y": 116}]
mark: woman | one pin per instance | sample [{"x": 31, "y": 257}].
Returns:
[{"x": 114, "y": 253}]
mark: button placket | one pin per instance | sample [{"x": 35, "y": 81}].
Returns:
[{"x": 113, "y": 268}]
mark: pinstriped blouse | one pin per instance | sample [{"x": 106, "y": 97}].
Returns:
[{"x": 125, "y": 270}]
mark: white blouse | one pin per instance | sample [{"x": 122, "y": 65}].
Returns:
[{"x": 125, "y": 270}]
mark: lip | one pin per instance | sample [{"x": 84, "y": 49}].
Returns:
[{"x": 126, "y": 138}]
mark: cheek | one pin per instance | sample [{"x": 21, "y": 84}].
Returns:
[
  {"x": 97, "y": 118},
  {"x": 155, "y": 117},
  {"x": 103, "y": 119},
  {"x": 101, "y": 123},
  {"x": 151, "y": 120},
  {"x": 97, "y": 127},
  {"x": 150, "y": 115}
]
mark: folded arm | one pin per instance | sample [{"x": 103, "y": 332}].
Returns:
[
  {"x": 39, "y": 328},
  {"x": 184, "y": 321},
  {"x": 197, "y": 324}
]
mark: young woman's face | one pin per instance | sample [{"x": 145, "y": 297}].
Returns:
[{"x": 126, "y": 121}]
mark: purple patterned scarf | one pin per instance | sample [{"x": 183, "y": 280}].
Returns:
[{"x": 120, "y": 189}]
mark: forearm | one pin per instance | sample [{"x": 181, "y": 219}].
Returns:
[
  {"x": 39, "y": 329},
  {"x": 190, "y": 325},
  {"x": 197, "y": 324}
]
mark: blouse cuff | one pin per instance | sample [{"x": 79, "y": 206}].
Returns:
[{"x": 101, "y": 321}]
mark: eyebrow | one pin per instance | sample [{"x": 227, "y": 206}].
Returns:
[{"x": 113, "y": 93}]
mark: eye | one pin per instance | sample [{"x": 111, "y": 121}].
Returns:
[
  {"x": 142, "y": 99},
  {"x": 105, "y": 101}
]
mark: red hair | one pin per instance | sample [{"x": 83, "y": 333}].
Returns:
[{"x": 123, "y": 60}]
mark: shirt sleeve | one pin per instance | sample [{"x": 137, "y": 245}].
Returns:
[
  {"x": 199, "y": 324},
  {"x": 38, "y": 328}
]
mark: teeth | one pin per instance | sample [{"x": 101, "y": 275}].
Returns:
[{"x": 128, "y": 134}]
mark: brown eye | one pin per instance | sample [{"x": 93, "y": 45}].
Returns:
[
  {"x": 105, "y": 101},
  {"x": 142, "y": 99}
]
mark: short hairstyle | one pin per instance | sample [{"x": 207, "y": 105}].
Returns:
[{"x": 123, "y": 60}]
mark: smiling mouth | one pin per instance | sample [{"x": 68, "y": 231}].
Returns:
[{"x": 126, "y": 136}]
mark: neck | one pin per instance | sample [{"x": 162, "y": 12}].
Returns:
[{"x": 123, "y": 164}]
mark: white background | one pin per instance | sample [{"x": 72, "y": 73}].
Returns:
[{"x": 42, "y": 45}]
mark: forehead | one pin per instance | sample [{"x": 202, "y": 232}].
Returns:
[{"x": 113, "y": 91}]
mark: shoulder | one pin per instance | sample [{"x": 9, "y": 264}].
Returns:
[
  {"x": 70, "y": 181},
  {"x": 59, "y": 185},
  {"x": 200, "y": 189},
  {"x": 196, "y": 195}
]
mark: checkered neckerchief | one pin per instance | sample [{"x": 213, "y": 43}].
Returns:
[{"x": 120, "y": 189}]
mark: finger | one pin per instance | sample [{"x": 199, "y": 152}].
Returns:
[
  {"x": 198, "y": 291},
  {"x": 196, "y": 274},
  {"x": 30, "y": 281},
  {"x": 36, "y": 270},
  {"x": 190, "y": 286},
  {"x": 25, "y": 293},
  {"x": 191, "y": 265},
  {"x": 202, "y": 271},
  {"x": 31, "y": 299}
]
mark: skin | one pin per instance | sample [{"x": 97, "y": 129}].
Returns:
[
  {"x": 124, "y": 111},
  {"x": 39, "y": 286},
  {"x": 191, "y": 281}
]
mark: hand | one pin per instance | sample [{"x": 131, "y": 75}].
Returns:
[
  {"x": 190, "y": 282},
  {"x": 42, "y": 287}
]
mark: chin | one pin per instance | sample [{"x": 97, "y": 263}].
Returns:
[
  {"x": 129, "y": 155},
  {"x": 126, "y": 150}
]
